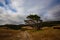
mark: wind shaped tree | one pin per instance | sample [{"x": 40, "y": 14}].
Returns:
[{"x": 34, "y": 20}]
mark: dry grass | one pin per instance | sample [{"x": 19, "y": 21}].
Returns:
[
  {"x": 47, "y": 33},
  {"x": 7, "y": 34}
]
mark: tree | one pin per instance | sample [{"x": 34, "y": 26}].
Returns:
[{"x": 34, "y": 20}]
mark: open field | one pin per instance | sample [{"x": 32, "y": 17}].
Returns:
[{"x": 46, "y": 33}]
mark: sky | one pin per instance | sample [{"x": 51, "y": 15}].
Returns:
[{"x": 15, "y": 11}]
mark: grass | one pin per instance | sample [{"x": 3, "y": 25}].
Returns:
[{"x": 47, "y": 33}]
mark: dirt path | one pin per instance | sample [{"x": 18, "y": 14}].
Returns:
[{"x": 25, "y": 36}]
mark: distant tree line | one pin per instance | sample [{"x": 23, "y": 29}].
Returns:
[{"x": 43, "y": 24}]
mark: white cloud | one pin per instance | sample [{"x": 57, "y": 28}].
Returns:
[
  {"x": 10, "y": 17},
  {"x": 18, "y": 5}
]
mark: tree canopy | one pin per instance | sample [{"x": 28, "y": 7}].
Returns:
[{"x": 33, "y": 17}]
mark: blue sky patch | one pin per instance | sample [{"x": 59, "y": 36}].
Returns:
[
  {"x": 7, "y": 2},
  {"x": 1, "y": 4}
]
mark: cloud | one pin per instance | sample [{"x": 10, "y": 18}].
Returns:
[
  {"x": 53, "y": 14},
  {"x": 8, "y": 18},
  {"x": 15, "y": 11},
  {"x": 49, "y": 10},
  {"x": 7, "y": 14},
  {"x": 39, "y": 7}
]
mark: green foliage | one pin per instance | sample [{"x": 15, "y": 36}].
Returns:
[{"x": 33, "y": 17}]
